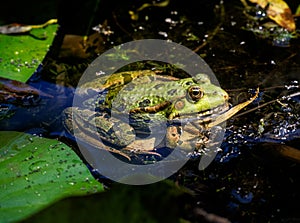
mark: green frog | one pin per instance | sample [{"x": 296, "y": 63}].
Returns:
[{"x": 127, "y": 108}]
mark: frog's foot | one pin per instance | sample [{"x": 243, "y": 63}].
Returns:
[
  {"x": 98, "y": 144},
  {"x": 140, "y": 152},
  {"x": 118, "y": 152},
  {"x": 141, "y": 147}
]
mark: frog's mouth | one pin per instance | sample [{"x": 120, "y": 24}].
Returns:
[
  {"x": 202, "y": 117},
  {"x": 216, "y": 115},
  {"x": 214, "y": 111}
]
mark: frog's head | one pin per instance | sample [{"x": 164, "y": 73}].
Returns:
[{"x": 201, "y": 97}]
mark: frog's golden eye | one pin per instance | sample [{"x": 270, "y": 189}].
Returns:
[{"x": 195, "y": 93}]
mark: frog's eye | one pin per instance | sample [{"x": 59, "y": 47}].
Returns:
[
  {"x": 188, "y": 83},
  {"x": 195, "y": 93}
]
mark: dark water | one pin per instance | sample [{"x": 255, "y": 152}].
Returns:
[{"x": 247, "y": 182}]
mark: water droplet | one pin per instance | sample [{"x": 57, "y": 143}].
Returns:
[
  {"x": 29, "y": 158},
  {"x": 18, "y": 174},
  {"x": 37, "y": 166}
]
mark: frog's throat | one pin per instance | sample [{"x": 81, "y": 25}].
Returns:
[{"x": 223, "y": 117}]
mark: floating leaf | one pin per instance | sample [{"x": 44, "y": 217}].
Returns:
[
  {"x": 35, "y": 172},
  {"x": 20, "y": 55},
  {"x": 279, "y": 11},
  {"x": 15, "y": 92},
  {"x": 121, "y": 203},
  {"x": 19, "y": 28}
]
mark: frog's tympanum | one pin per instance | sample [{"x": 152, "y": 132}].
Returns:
[{"x": 128, "y": 107}]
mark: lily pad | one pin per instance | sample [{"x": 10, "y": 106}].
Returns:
[
  {"x": 20, "y": 55},
  {"x": 35, "y": 172},
  {"x": 122, "y": 204}
]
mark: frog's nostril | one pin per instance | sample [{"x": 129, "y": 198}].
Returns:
[{"x": 226, "y": 97}]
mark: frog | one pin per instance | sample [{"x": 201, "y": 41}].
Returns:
[{"x": 129, "y": 106}]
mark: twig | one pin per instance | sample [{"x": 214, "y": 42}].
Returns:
[
  {"x": 269, "y": 102},
  {"x": 215, "y": 31},
  {"x": 209, "y": 217}
]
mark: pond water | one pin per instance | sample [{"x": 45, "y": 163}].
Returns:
[{"x": 253, "y": 178}]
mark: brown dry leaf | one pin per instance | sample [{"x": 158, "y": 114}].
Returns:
[
  {"x": 297, "y": 13},
  {"x": 279, "y": 11},
  {"x": 81, "y": 47}
]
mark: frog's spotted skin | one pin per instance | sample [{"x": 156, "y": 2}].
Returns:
[
  {"x": 114, "y": 81},
  {"x": 147, "y": 100},
  {"x": 172, "y": 98}
]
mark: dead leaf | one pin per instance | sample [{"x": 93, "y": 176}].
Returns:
[
  {"x": 81, "y": 47},
  {"x": 16, "y": 92},
  {"x": 297, "y": 13},
  {"x": 15, "y": 28},
  {"x": 279, "y": 11}
]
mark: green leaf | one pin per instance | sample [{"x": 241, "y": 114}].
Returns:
[
  {"x": 35, "y": 172},
  {"x": 20, "y": 55},
  {"x": 153, "y": 203}
]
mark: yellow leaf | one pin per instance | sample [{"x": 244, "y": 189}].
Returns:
[
  {"x": 261, "y": 3},
  {"x": 279, "y": 11}
]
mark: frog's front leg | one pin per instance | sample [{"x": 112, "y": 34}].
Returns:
[
  {"x": 187, "y": 137},
  {"x": 142, "y": 147}
]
